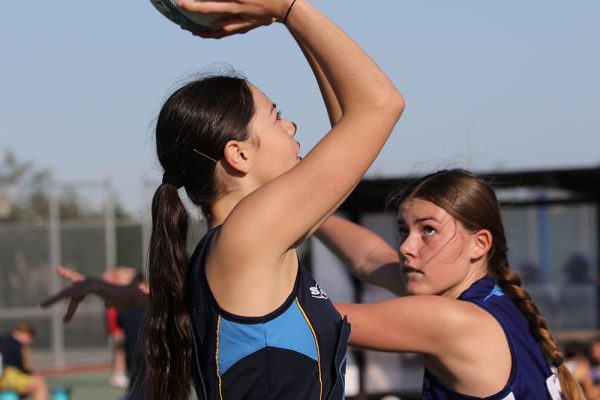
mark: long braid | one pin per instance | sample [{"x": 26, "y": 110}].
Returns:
[{"x": 510, "y": 282}]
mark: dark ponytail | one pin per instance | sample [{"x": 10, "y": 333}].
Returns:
[
  {"x": 167, "y": 324},
  {"x": 192, "y": 129},
  {"x": 473, "y": 203}
]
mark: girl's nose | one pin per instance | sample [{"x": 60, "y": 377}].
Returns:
[{"x": 407, "y": 248}]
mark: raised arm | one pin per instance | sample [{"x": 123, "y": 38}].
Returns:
[
  {"x": 369, "y": 105},
  {"x": 334, "y": 111}
]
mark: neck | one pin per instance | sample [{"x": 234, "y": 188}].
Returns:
[
  {"x": 473, "y": 276},
  {"x": 224, "y": 205}
]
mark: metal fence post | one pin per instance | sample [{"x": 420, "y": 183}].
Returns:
[
  {"x": 54, "y": 242},
  {"x": 110, "y": 233}
]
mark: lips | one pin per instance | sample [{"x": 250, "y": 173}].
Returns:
[{"x": 407, "y": 269}]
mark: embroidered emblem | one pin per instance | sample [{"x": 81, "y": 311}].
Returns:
[{"x": 317, "y": 292}]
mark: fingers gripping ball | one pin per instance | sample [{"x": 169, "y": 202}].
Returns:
[{"x": 186, "y": 19}]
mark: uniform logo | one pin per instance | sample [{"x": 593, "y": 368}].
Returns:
[{"x": 317, "y": 292}]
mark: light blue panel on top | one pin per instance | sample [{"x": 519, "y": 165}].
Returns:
[
  {"x": 237, "y": 341},
  {"x": 288, "y": 331},
  {"x": 291, "y": 331}
]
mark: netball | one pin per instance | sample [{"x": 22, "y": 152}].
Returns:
[{"x": 185, "y": 19}]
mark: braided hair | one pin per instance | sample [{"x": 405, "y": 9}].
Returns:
[{"x": 472, "y": 202}]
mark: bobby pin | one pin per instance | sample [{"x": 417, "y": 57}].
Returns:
[{"x": 202, "y": 154}]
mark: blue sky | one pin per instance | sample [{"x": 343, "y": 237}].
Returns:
[{"x": 489, "y": 85}]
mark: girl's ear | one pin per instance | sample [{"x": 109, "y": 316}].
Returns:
[
  {"x": 237, "y": 156},
  {"x": 482, "y": 243}
]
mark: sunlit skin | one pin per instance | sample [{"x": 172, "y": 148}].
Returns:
[
  {"x": 273, "y": 138},
  {"x": 463, "y": 345},
  {"x": 435, "y": 251}
]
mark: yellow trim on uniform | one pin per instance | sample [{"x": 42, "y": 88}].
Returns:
[
  {"x": 217, "y": 356},
  {"x": 317, "y": 344}
]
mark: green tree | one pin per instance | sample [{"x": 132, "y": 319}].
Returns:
[{"x": 24, "y": 195}]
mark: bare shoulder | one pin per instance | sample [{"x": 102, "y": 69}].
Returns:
[
  {"x": 238, "y": 246},
  {"x": 459, "y": 326},
  {"x": 476, "y": 351},
  {"x": 234, "y": 272}
]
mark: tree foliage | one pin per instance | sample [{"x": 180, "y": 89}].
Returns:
[{"x": 24, "y": 194}]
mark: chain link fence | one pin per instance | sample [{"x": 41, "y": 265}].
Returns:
[{"x": 88, "y": 240}]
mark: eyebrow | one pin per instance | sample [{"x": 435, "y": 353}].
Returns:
[{"x": 401, "y": 221}]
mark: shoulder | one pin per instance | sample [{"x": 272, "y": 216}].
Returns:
[{"x": 464, "y": 319}]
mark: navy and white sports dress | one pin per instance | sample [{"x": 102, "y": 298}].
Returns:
[
  {"x": 531, "y": 378},
  {"x": 297, "y": 352}
]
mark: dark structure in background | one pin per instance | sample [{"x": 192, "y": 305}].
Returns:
[
  {"x": 582, "y": 185},
  {"x": 552, "y": 219}
]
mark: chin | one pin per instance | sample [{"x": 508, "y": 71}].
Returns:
[{"x": 414, "y": 286}]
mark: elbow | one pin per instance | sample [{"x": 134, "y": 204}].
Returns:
[
  {"x": 388, "y": 102},
  {"x": 396, "y": 103}
]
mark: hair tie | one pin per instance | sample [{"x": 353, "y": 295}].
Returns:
[
  {"x": 558, "y": 361},
  {"x": 171, "y": 179}
]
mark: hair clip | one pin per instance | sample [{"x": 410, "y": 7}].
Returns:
[{"x": 202, "y": 154}]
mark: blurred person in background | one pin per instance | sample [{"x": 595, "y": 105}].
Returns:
[
  {"x": 118, "y": 378},
  {"x": 130, "y": 320},
  {"x": 125, "y": 293},
  {"x": 595, "y": 358},
  {"x": 577, "y": 361},
  {"x": 17, "y": 375}
]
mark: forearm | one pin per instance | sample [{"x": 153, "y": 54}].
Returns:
[
  {"x": 357, "y": 81},
  {"x": 332, "y": 104},
  {"x": 368, "y": 255}
]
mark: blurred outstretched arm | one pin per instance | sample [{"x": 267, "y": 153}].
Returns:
[{"x": 119, "y": 296}]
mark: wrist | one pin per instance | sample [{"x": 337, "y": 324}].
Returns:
[{"x": 288, "y": 12}]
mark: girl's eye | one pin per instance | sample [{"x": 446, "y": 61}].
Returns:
[
  {"x": 403, "y": 232},
  {"x": 428, "y": 231}
]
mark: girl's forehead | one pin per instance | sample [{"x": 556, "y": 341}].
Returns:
[
  {"x": 259, "y": 95},
  {"x": 418, "y": 209}
]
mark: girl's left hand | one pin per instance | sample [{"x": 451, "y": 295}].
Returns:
[
  {"x": 229, "y": 26},
  {"x": 243, "y": 16}
]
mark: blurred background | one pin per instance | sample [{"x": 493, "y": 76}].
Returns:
[{"x": 509, "y": 90}]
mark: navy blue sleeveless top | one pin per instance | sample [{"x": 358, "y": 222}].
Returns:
[
  {"x": 297, "y": 352},
  {"x": 530, "y": 378}
]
